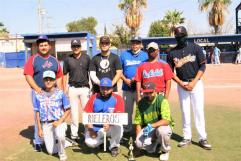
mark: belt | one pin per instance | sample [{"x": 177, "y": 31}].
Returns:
[
  {"x": 80, "y": 86},
  {"x": 47, "y": 122},
  {"x": 187, "y": 80},
  {"x": 161, "y": 93}
]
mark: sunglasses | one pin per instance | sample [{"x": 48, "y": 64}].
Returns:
[
  {"x": 105, "y": 43},
  {"x": 76, "y": 46},
  {"x": 151, "y": 50}
]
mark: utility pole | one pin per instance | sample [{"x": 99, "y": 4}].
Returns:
[{"x": 41, "y": 13}]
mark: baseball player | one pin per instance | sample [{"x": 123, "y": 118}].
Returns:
[
  {"x": 130, "y": 60},
  {"x": 154, "y": 70},
  {"x": 216, "y": 54},
  {"x": 189, "y": 62},
  {"x": 153, "y": 122},
  {"x": 76, "y": 73},
  {"x": 33, "y": 71},
  {"x": 104, "y": 102},
  {"x": 52, "y": 108}
]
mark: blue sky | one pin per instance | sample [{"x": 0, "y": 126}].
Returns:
[{"x": 20, "y": 16}]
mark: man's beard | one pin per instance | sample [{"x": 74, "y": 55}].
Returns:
[
  {"x": 105, "y": 96},
  {"x": 152, "y": 56}
]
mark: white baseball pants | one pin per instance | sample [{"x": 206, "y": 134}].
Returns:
[
  {"x": 216, "y": 60},
  {"x": 115, "y": 133},
  {"x": 195, "y": 98},
  {"x": 129, "y": 99},
  {"x": 37, "y": 139},
  {"x": 51, "y": 134},
  {"x": 76, "y": 96}
]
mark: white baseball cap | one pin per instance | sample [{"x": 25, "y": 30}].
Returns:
[
  {"x": 49, "y": 74},
  {"x": 153, "y": 45}
]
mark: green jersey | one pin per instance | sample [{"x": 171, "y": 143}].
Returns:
[{"x": 151, "y": 112}]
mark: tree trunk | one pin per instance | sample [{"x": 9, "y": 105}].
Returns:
[{"x": 216, "y": 29}]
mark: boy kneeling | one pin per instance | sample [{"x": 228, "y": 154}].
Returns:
[{"x": 52, "y": 108}]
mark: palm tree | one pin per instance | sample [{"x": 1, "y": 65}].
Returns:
[
  {"x": 172, "y": 19},
  {"x": 3, "y": 30},
  {"x": 133, "y": 13},
  {"x": 216, "y": 10}
]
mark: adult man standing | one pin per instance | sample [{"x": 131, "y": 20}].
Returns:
[
  {"x": 238, "y": 56},
  {"x": 216, "y": 54},
  {"x": 153, "y": 122},
  {"x": 104, "y": 102},
  {"x": 189, "y": 63},
  {"x": 154, "y": 70},
  {"x": 105, "y": 64},
  {"x": 76, "y": 67},
  {"x": 33, "y": 71},
  {"x": 130, "y": 60}
]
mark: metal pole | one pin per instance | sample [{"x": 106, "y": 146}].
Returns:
[
  {"x": 104, "y": 141},
  {"x": 39, "y": 16}
]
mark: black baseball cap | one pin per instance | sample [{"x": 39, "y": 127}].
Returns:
[
  {"x": 105, "y": 39},
  {"x": 75, "y": 42},
  {"x": 180, "y": 31},
  {"x": 136, "y": 39}
]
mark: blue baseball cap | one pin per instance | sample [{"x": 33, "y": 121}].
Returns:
[
  {"x": 49, "y": 74},
  {"x": 105, "y": 82},
  {"x": 42, "y": 38}
]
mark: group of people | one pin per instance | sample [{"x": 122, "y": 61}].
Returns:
[{"x": 56, "y": 94}]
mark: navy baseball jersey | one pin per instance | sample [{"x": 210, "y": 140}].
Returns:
[
  {"x": 37, "y": 64},
  {"x": 187, "y": 61}
]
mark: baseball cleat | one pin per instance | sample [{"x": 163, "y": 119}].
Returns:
[
  {"x": 38, "y": 147},
  {"x": 205, "y": 145},
  {"x": 184, "y": 143},
  {"x": 164, "y": 156}
]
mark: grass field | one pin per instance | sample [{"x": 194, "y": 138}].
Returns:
[
  {"x": 223, "y": 127},
  {"x": 222, "y": 111}
]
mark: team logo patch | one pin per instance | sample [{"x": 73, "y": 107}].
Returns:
[
  {"x": 47, "y": 64},
  {"x": 152, "y": 73},
  {"x": 180, "y": 62},
  {"x": 104, "y": 64}
]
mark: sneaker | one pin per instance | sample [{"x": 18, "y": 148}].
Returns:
[
  {"x": 38, "y": 147},
  {"x": 62, "y": 157},
  {"x": 164, "y": 156},
  {"x": 115, "y": 151},
  {"x": 205, "y": 145},
  {"x": 184, "y": 142},
  {"x": 75, "y": 138},
  {"x": 70, "y": 142}
]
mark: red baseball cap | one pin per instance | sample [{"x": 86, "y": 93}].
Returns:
[{"x": 148, "y": 87}]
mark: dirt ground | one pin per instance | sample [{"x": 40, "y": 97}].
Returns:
[{"x": 222, "y": 88}]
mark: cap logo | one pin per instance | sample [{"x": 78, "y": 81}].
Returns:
[{"x": 105, "y": 82}]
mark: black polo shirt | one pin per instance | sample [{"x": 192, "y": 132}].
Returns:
[
  {"x": 187, "y": 61},
  {"x": 106, "y": 66},
  {"x": 78, "y": 70}
]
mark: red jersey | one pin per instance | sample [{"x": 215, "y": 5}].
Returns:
[{"x": 157, "y": 72}]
